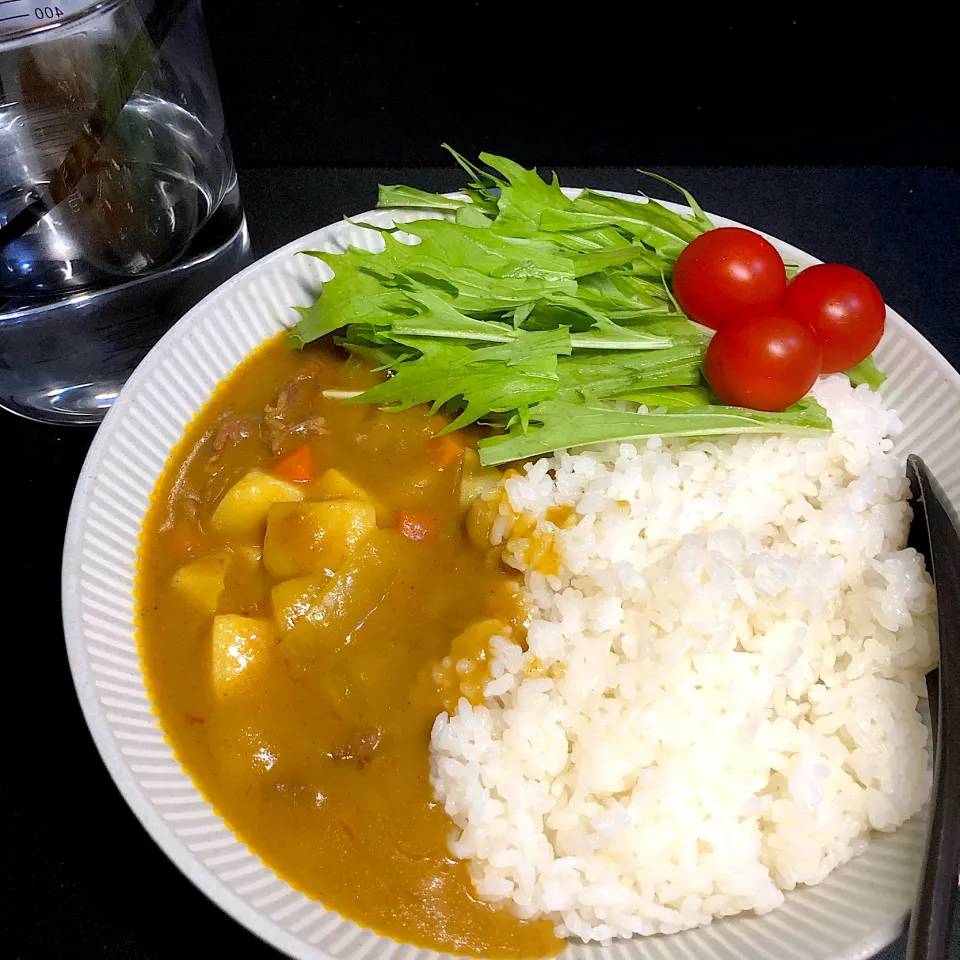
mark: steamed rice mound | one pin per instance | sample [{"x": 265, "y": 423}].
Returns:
[{"x": 719, "y": 696}]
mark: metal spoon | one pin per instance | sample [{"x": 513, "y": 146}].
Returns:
[{"x": 933, "y": 533}]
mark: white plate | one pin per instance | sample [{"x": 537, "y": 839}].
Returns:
[{"x": 852, "y": 915}]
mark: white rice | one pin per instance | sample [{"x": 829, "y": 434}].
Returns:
[{"x": 719, "y": 700}]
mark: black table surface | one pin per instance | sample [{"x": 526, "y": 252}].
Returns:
[{"x": 79, "y": 877}]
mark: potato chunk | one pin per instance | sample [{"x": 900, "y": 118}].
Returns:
[
  {"x": 243, "y": 510},
  {"x": 313, "y": 537},
  {"x": 481, "y": 517},
  {"x": 475, "y": 480},
  {"x": 293, "y": 598},
  {"x": 334, "y": 485},
  {"x": 201, "y": 581},
  {"x": 327, "y": 616},
  {"x": 239, "y": 651}
]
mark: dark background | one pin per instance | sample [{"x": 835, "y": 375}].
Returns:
[
  {"x": 832, "y": 135},
  {"x": 357, "y": 84}
]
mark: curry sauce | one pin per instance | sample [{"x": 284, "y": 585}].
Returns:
[{"x": 311, "y": 737}]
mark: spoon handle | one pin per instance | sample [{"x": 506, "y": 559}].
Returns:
[{"x": 931, "y": 920}]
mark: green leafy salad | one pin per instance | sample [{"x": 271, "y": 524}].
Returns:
[{"x": 549, "y": 319}]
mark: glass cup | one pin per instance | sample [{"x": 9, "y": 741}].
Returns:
[{"x": 111, "y": 130}]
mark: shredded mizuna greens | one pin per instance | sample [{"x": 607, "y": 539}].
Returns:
[
  {"x": 533, "y": 311},
  {"x": 866, "y": 371}
]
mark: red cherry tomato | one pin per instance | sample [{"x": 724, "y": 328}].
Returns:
[
  {"x": 843, "y": 308},
  {"x": 726, "y": 272},
  {"x": 766, "y": 360}
]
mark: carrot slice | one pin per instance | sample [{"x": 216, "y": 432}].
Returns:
[
  {"x": 295, "y": 466},
  {"x": 415, "y": 525},
  {"x": 447, "y": 449}
]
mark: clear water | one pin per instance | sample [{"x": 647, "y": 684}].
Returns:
[
  {"x": 153, "y": 226},
  {"x": 65, "y": 361},
  {"x": 153, "y": 184}
]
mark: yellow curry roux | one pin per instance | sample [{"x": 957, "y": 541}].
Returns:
[{"x": 321, "y": 763}]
